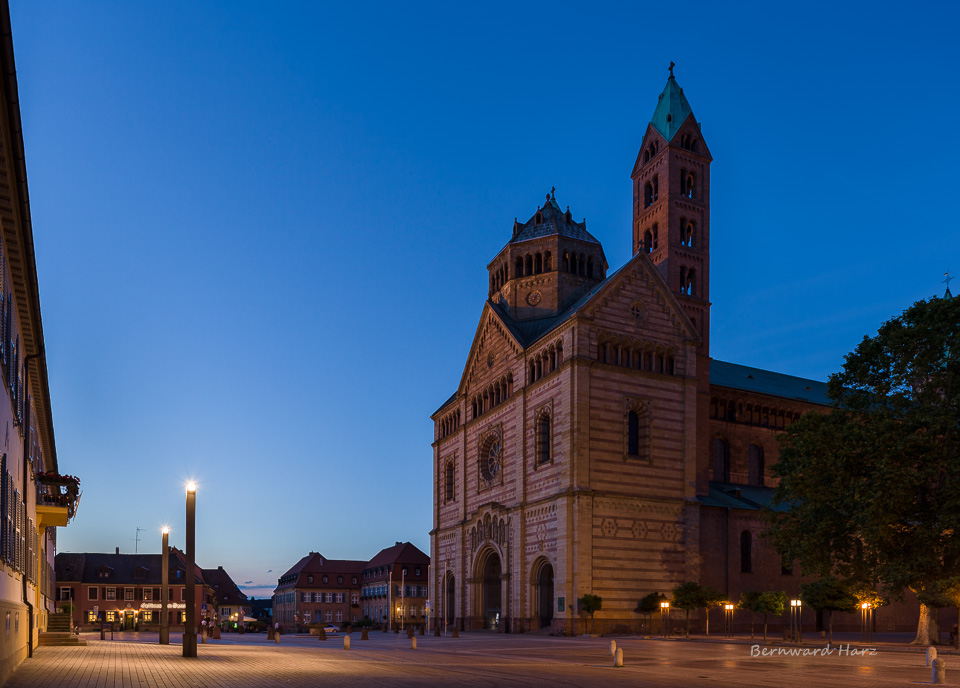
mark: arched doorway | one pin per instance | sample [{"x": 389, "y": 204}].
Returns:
[
  {"x": 491, "y": 601},
  {"x": 449, "y": 600},
  {"x": 544, "y": 585}
]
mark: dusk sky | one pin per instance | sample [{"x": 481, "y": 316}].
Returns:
[{"x": 262, "y": 229}]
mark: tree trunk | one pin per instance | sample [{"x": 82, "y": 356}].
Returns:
[
  {"x": 707, "y": 610},
  {"x": 830, "y": 626},
  {"x": 928, "y": 628},
  {"x": 688, "y": 623},
  {"x": 752, "y": 619},
  {"x": 764, "y": 627}
]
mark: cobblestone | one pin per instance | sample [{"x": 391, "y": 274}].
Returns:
[{"x": 235, "y": 661}]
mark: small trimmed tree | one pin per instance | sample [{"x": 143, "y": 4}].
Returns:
[
  {"x": 750, "y": 601},
  {"x": 590, "y": 604},
  {"x": 771, "y": 603},
  {"x": 688, "y": 596},
  {"x": 650, "y": 604},
  {"x": 830, "y": 595},
  {"x": 710, "y": 598}
]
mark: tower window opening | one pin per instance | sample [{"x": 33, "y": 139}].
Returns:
[
  {"x": 688, "y": 186},
  {"x": 590, "y": 267},
  {"x": 655, "y": 230},
  {"x": 528, "y": 265},
  {"x": 519, "y": 268},
  {"x": 538, "y": 264},
  {"x": 647, "y": 241},
  {"x": 547, "y": 262},
  {"x": 656, "y": 186},
  {"x": 648, "y": 194}
]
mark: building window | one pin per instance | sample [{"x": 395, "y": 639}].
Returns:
[
  {"x": 66, "y": 594},
  {"x": 354, "y": 598},
  {"x": 638, "y": 431},
  {"x": 339, "y": 580},
  {"x": 721, "y": 460},
  {"x": 543, "y": 438},
  {"x": 416, "y": 571},
  {"x": 147, "y": 616},
  {"x": 309, "y": 579},
  {"x": 340, "y": 598},
  {"x": 354, "y": 580},
  {"x": 305, "y": 597},
  {"x": 746, "y": 552},
  {"x": 111, "y": 594},
  {"x": 93, "y": 594},
  {"x": 128, "y": 594},
  {"x": 328, "y": 615},
  {"x": 490, "y": 458},
  {"x": 755, "y": 465},
  {"x": 448, "y": 482},
  {"x": 148, "y": 594}
]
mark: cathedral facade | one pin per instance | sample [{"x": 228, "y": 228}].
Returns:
[{"x": 592, "y": 444}]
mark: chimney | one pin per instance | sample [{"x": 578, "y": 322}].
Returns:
[{"x": 118, "y": 550}]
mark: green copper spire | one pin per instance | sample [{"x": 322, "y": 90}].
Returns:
[{"x": 672, "y": 110}]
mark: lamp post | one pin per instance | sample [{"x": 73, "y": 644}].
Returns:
[
  {"x": 665, "y": 619},
  {"x": 190, "y": 623},
  {"x": 866, "y": 622},
  {"x": 164, "y": 587},
  {"x": 403, "y": 589},
  {"x": 728, "y": 620},
  {"x": 799, "y": 621}
]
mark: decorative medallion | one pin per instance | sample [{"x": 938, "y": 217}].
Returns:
[
  {"x": 533, "y": 298},
  {"x": 491, "y": 461},
  {"x": 636, "y": 308}
]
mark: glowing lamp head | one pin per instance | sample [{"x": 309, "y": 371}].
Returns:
[
  {"x": 191, "y": 486},
  {"x": 865, "y": 605},
  {"x": 165, "y": 530}
]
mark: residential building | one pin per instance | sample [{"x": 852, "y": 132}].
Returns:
[
  {"x": 231, "y": 604},
  {"x": 318, "y": 590},
  {"x": 394, "y": 586},
  {"x": 34, "y": 497},
  {"x": 124, "y": 589}
]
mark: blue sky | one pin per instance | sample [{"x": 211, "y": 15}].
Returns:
[{"x": 262, "y": 228}]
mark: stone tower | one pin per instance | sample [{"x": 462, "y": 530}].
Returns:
[{"x": 671, "y": 204}]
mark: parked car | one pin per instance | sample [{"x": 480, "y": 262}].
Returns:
[{"x": 330, "y": 628}]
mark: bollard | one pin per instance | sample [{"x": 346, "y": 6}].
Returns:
[
  {"x": 101, "y": 633},
  {"x": 346, "y": 642},
  {"x": 413, "y": 642},
  {"x": 618, "y": 658},
  {"x": 931, "y": 655},
  {"x": 364, "y": 635},
  {"x": 456, "y": 633},
  {"x": 613, "y": 647},
  {"x": 436, "y": 631},
  {"x": 322, "y": 635},
  {"x": 276, "y": 637},
  {"x": 939, "y": 671}
]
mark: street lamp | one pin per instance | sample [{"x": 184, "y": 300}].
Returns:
[
  {"x": 728, "y": 620},
  {"x": 190, "y": 623},
  {"x": 793, "y": 619},
  {"x": 403, "y": 589},
  {"x": 665, "y": 618},
  {"x": 866, "y": 622},
  {"x": 799, "y": 614},
  {"x": 164, "y": 588}
]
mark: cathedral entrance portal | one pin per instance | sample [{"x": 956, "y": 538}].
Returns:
[
  {"x": 491, "y": 592},
  {"x": 449, "y": 601},
  {"x": 545, "y": 594}
]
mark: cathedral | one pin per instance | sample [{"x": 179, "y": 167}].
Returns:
[{"x": 592, "y": 444}]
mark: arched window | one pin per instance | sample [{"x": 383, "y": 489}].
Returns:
[
  {"x": 543, "y": 439},
  {"x": 688, "y": 186},
  {"x": 691, "y": 287},
  {"x": 647, "y": 241},
  {"x": 656, "y": 186},
  {"x": 528, "y": 265},
  {"x": 448, "y": 482},
  {"x": 547, "y": 262},
  {"x": 538, "y": 264},
  {"x": 566, "y": 262},
  {"x": 519, "y": 268},
  {"x": 655, "y": 231},
  {"x": 746, "y": 552},
  {"x": 590, "y": 266},
  {"x": 721, "y": 460},
  {"x": 755, "y": 465},
  {"x": 582, "y": 265},
  {"x": 648, "y": 194},
  {"x": 638, "y": 432}
]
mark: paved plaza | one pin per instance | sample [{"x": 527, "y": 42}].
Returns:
[{"x": 135, "y": 660}]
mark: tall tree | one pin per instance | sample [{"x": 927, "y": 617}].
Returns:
[
  {"x": 871, "y": 491},
  {"x": 830, "y": 595},
  {"x": 590, "y": 604}
]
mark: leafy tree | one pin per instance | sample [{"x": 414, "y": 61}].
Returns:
[
  {"x": 750, "y": 601},
  {"x": 690, "y": 595},
  {"x": 831, "y": 595},
  {"x": 771, "y": 603},
  {"x": 871, "y": 491},
  {"x": 590, "y": 604},
  {"x": 650, "y": 604}
]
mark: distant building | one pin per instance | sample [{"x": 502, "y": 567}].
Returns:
[
  {"x": 34, "y": 497},
  {"x": 321, "y": 590},
  {"x": 230, "y": 602},
  {"x": 124, "y": 589},
  {"x": 262, "y": 609},
  {"x": 317, "y": 589},
  {"x": 395, "y": 585}
]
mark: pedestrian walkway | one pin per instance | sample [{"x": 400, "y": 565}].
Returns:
[{"x": 474, "y": 660}]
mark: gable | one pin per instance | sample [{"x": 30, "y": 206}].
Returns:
[
  {"x": 639, "y": 282},
  {"x": 492, "y": 350}
]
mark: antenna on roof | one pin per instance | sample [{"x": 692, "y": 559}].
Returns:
[
  {"x": 947, "y": 279},
  {"x": 136, "y": 540}
]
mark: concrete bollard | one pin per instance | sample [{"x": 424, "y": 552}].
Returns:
[
  {"x": 613, "y": 647},
  {"x": 321, "y": 634},
  {"x": 346, "y": 642},
  {"x": 413, "y": 642},
  {"x": 276, "y": 637},
  {"x": 456, "y": 633},
  {"x": 618, "y": 658},
  {"x": 364, "y": 634},
  {"x": 931, "y": 655},
  {"x": 939, "y": 671}
]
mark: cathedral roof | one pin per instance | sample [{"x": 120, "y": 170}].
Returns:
[
  {"x": 749, "y": 379},
  {"x": 552, "y": 221},
  {"x": 735, "y": 496},
  {"x": 672, "y": 110}
]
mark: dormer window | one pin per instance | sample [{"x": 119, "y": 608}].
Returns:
[{"x": 309, "y": 579}]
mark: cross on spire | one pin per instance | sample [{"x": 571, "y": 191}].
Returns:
[{"x": 672, "y": 65}]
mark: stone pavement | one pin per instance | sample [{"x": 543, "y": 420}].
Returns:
[{"x": 475, "y": 659}]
